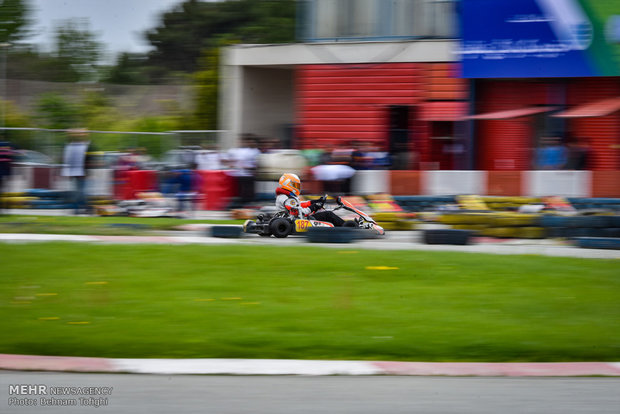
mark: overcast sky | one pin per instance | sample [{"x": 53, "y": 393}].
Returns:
[{"x": 117, "y": 23}]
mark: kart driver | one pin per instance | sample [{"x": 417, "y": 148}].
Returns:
[{"x": 287, "y": 198}]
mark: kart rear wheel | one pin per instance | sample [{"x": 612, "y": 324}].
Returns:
[{"x": 281, "y": 227}]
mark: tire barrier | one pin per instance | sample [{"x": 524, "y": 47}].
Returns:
[
  {"x": 447, "y": 236},
  {"x": 423, "y": 203},
  {"x": 598, "y": 242},
  {"x": 595, "y": 203},
  {"x": 580, "y": 226},
  {"x": 226, "y": 232},
  {"x": 331, "y": 234},
  {"x": 495, "y": 224},
  {"x": 39, "y": 199}
]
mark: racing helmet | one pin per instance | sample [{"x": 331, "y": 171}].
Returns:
[{"x": 290, "y": 182}]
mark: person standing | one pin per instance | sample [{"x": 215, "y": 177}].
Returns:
[
  {"x": 578, "y": 155},
  {"x": 244, "y": 163},
  {"x": 75, "y": 160},
  {"x": 7, "y": 156}
]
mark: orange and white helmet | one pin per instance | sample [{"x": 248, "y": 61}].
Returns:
[{"x": 290, "y": 182}]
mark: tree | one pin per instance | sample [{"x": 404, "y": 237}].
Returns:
[
  {"x": 76, "y": 46},
  {"x": 194, "y": 26},
  {"x": 128, "y": 70},
  {"x": 25, "y": 62},
  {"x": 13, "y": 20},
  {"x": 206, "y": 81}
]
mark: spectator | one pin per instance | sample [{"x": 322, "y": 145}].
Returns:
[
  {"x": 208, "y": 159},
  {"x": 185, "y": 183},
  {"x": 243, "y": 162},
  {"x": 552, "y": 155},
  {"x": 142, "y": 159},
  {"x": 578, "y": 155},
  {"x": 7, "y": 156},
  {"x": 75, "y": 164}
]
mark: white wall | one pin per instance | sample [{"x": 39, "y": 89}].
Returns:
[
  {"x": 557, "y": 183},
  {"x": 453, "y": 182},
  {"x": 268, "y": 102},
  {"x": 243, "y": 77}
]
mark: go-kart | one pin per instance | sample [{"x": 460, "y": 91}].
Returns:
[{"x": 281, "y": 223}]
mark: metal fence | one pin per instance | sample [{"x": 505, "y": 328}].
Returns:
[{"x": 52, "y": 141}]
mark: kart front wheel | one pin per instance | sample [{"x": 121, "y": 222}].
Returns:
[{"x": 281, "y": 227}]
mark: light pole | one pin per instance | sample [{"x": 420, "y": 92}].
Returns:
[{"x": 4, "y": 47}]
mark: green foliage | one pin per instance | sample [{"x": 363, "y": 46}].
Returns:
[
  {"x": 25, "y": 62},
  {"x": 206, "y": 82},
  {"x": 74, "y": 58},
  {"x": 56, "y": 112},
  {"x": 128, "y": 70},
  {"x": 13, "y": 20},
  {"x": 193, "y": 26},
  {"x": 13, "y": 118},
  {"x": 76, "y": 45}
]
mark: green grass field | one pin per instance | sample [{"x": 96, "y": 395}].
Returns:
[{"x": 305, "y": 302}]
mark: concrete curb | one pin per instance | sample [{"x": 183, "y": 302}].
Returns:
[{"x": 305, "y": 367}]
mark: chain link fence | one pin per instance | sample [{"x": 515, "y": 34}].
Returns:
[{"x": 51, "y": 142}]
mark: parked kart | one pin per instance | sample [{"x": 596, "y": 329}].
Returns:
[{"x": 281, "y": 224}]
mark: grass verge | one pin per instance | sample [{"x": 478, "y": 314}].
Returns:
[{"x": 305, "y": 302}]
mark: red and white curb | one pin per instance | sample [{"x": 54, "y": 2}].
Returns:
[{"x": 305, "y": 367}]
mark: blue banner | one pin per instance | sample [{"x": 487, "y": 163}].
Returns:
[{"x": 539, "y": 38}]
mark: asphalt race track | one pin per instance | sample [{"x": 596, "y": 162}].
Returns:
[{"x": 133, "y": 393}]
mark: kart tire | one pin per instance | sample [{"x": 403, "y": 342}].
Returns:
[
  {"x": 331, "y": 234},
  {"x": 228, "y": 232},
  {"x": 280, "y": 227},
  {"x": 447, "y": 236},
  {"x": 598, "y": 242}
]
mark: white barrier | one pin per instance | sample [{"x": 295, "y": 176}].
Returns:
[
  {"x": 100, "y": 182},
  {"x": 557, "y": 183},
  {"x": 453, "y": 182},
  {"x": 20, "y": 180},
  {"x": 370, "y": 182}
]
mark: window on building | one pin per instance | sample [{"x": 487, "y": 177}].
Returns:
[{"x": 378, "y": 19}]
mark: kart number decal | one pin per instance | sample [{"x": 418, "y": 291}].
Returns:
[{"x": 302, "y": 225}]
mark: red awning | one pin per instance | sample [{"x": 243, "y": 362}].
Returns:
[
  {"x": 598, "y": 108},
  {"x": 513, "y": 113},
  {"x": 443, "y": 111}
]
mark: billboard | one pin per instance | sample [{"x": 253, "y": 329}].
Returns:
[{"x": 540, "y": 38}]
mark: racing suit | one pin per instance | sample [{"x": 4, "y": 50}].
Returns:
[{"x": 288, "y": 201}]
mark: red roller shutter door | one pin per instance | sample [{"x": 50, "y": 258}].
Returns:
[
  {"x": 340, "y": 103},
  {"x": 601, "y": 132}
]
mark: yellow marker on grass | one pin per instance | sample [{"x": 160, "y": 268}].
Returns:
[{"x": 381, "y": 268}]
